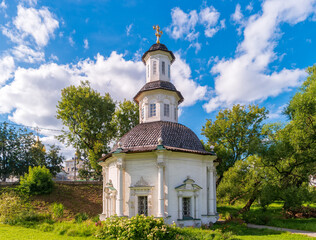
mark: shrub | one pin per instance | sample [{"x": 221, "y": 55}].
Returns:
[
  {"x": 80, "y": 217},
  {"x": 37, "y": 181},
  {"x": 57, "y": 210},
  {"x": 11, "y": 207},
  {"x": 138, "y": 227}
]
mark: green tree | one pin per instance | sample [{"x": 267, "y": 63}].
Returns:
[
  {"x": 88, "y": 116},
  {"x": 126, "y": 117},
  {"x": 244, "y": 181},
  {"x": 235, "y": 134},
  {"x": 15, "y": 146},
  {"x": 291, "y": 151}
]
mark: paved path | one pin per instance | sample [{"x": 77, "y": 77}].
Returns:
[{"x": 310, "y": 234}]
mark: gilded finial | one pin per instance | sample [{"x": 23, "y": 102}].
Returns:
[{"x": 158, "y": 32}]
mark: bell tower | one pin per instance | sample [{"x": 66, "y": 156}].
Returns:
[{"x": 158, "y": 99}]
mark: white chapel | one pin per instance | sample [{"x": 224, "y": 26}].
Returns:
[{"x": 160, "y": 167}]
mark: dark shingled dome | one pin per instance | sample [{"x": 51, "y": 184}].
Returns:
[
  {"x": 159, "y": 85},
  {"x": 161, "y": 47},
  {"x": 176, "y": 137}
]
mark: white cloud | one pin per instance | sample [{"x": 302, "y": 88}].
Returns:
[
  {"x": 247, "y": 77},
  {"x": 53, "y": 57},
  {"x": 237, "y": 16},
  {"x": 26, "y": 54},
  {"x": 86, "y": 43},
  {"x": 32, "y": 96},
  {"x": 39, "y": 24},
  {"x": 249, "y": 7},
  {"x": 181, "y": 76},
  {"x": 3, "y": 5},
  {"x": 183, "y": 24},
  {"x": 209, "y": 17},
  {"x": 128, "y": 29},
  {"x": 278, "y": 112},
  {"x": 7, "y": 67}
]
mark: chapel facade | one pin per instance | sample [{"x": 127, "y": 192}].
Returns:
[{"x": 160, "y": 167}]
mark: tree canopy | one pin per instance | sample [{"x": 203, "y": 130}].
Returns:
[
  {"x": 92, "y": 120},
  {"x": 19, "y": 150},
  {"x": 279, "y": 164},
  {"x": 235, "y": 134}
]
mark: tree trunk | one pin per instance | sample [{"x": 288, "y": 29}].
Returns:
[{"x": 246, "y": 208}]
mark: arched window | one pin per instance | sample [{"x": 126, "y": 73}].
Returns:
[{"x": 163, "y": 71}]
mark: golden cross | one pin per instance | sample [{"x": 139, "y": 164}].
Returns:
[{"x": 158, "y": 32}]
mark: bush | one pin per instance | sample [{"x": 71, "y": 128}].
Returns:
[
  {"x": 37, "y": 181},
  {"x": 57, "y": 210},
  {"x": 80, "y": 217},
  {"x": 11, "y": 207},
  {"x": 138, "y": 227}
]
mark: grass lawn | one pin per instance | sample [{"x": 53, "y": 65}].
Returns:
[
  {"x": 242, "y": 232},
  {"x": 8, "y": 232},
  {"x": 272, "y": 216}
]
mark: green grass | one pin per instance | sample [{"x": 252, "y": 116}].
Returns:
[
  {"x": 272, "y": 216},
  {"x": 8, "y": 232},
  {"x": 238, "y": 231},
  {"x": 242, "y": 232}
]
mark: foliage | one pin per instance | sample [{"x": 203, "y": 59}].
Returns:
[
  {"x": 242, "y": 181},
  {"x": 15, "y": 145},
  {"x": 93, "y": 121},
  {"x": 80, "y": 217},
  {"x": 235, "y": 134},
  {"x": 57, "y": 210},
  {"x": 88, "y": 117},
  {"x": 138, "y": 227},
  {"x": 126, "y": 117},
  {"x": 11, "y": 207},
  {"x": 19, "y": 150},
  {"x": 37, "y": 181},
  {"x": 291, "y": 151}
]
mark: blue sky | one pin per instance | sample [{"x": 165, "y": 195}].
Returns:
[{"x": 227, "y": 52}]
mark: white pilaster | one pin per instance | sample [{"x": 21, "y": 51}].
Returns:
[
  {"x": 193, "y": 206},
  {"x": 120, "y": 184},
  {"x": 180, "y": 216},
  {"x": 161, "y": 200},
  {"x": 211, "y": 198}
]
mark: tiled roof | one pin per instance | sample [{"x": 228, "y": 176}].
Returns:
[
  {"x": 161, "y": 47},
  {"x": 159, "y": 85},
  {"x": 175, "y": 137}
]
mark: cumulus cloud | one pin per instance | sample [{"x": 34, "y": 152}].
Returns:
[
  {"x": 183, "y": 24},
  {"x": 181, "y": 76},
  {"x": 32, "y": 96},
  {"x": 30, "y": 30},
  {"x": 38, "y": 24},
  {"x": 209, "y": 17},
  {"x": 7, "y": 67},
  {"x": 27, "y": 54},
  {"x": 247, "y": 77},
  {"x": 237, "y": 16}
]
